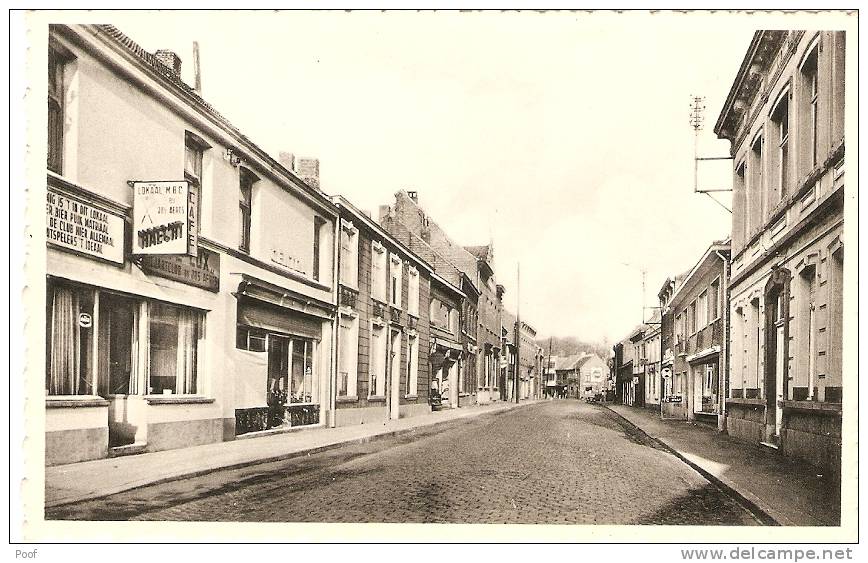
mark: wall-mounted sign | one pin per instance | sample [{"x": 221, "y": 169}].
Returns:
[
  {"x": 80, "y": 226},
  {"x": 673, "y": 399},
  {"x": 286, "y": 260},
  {"x": 85, "y": 320},
  {"x": 203, "y": 270},
  {"x": 160, "y": 217},
  {"x": 193, "y": 221}
]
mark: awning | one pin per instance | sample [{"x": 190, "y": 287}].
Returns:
[
  {"x": 284, "y": 298},
  {"x": 704, "y": 354},
  {"x": 271, "y": 318}
]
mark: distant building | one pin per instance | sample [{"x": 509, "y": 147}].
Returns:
[
  {"x": 784, "y": 117},
  {"x": 592, "y": 375}
]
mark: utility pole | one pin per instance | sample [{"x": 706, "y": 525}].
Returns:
[{"x": 517, "y": 332}]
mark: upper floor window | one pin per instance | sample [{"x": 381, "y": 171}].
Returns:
[
  {"x": 811, "y": 106},
  {"x": 318, "y": 223},
  {"x": 691, "y": 318},
  {"x": 56, "y": 65},
  {"x": 714, "y": 301},
  {"x": 395, "y": 279},
  {"x": 413, "y": 291},
  {"x": 378, "y": 271},
  {"x": 781, "y": 123},
  {"x": 194, "y": 149},
  {"x": 755, "y": 184},
  {"x": 245, "y": 207},
  {"x": 349, "y": 254}
]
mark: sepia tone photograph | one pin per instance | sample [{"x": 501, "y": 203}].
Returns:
[{"x": 571, "y": 270}]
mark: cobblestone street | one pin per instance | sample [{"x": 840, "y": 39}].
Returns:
[{"x": 555, "y": 462}]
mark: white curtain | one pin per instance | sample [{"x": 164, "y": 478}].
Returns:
[
  {"x": 64, "y": 338},
  {"x": 188, "y": 328}
]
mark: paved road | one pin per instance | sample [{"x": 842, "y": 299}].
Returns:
[{"x": 554, "y": 462}]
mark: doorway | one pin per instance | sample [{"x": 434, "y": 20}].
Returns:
[{"x": 776, "y": 335}]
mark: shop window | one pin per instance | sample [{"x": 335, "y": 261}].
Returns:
[
  {"x": 347, "y": 356},
  {"x": 69, "y": 341},
  {"x": 413, "y": 291},
  {"x": 349, "y": 255},
  {"x": 395, "y": 275},
  {"x": 56, "y": 94},
  {"x": 173, "y": 338},
  {"x": 301, "y": 388},
  {"x": 251, "y": 339}
]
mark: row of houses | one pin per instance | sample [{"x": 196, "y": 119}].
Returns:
[
  {"x": 199, "y": 290},
  {"x": 750, "y": 337},
  {"x": 577, "y": 376}
]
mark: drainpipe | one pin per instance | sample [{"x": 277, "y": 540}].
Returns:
[
  {"x": 333, "y": 371},
  {"x": 723, "y": 376}
]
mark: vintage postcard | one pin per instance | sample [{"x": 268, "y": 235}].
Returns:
[{"x": 374, "y": 275}]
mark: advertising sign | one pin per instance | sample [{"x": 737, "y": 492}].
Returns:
[
  {"x": 160, "y": 217},
  {"x": 203, "y": 270},
  {"x": 82, "y": 227},
  {"x": 673, "y": 399}
]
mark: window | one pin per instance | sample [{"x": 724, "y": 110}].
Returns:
[
  {"x": 755, "y": 185},
  {"x": 412, "y": 365},
  {"x": 55, "y": 111},
  {"x": 679, "y": 328},
  {"x": 691, "y": 319},
  {"x": 714, "y": 301},
  {"x": 702, "y": 311},
  {"x": 174, "y": 334},
  {"x": 245, "y": 207},
  {"x": 318, "y": 223},
  {"x": 811, "y": 107},
  {"x": 377, "y": 381},
  {"x": 348, "y": 343},
  {"x": 349, "y": 255},
  {"x": 739, "y": 211},
  {"x": 251, "y": 339},
  {"x": 780, "y": 119},
  {"x": 378, "y": 271},
  {"x": 69, "y": 344},
  {"x": 413, "y": 291},
  {"x": 832, "y": 391},
  {"x": 395, "y": 278},
  {"x": 806, "y": 351},
  {"x": 194, "y": 149}
]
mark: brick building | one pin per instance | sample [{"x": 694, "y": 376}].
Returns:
[
  {"x": 406, "y": 218},
  {"x": 384, "y": 333},
  {"x": 784, "y": 117}
]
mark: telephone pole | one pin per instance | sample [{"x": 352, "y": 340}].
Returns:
[{"x": 517, "y": 332}]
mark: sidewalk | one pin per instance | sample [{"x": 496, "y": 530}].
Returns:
[
  {"x": 788, "y": 492},
  {"x": 88, "y": 480}
]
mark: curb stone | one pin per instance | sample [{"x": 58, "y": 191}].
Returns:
[
  {"x": 271, "y": 459},
  {"x": 751, "y": 506}
]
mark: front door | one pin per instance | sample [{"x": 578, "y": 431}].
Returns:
[
  {"x": 394, "y": 374},
  {"x": 277, "y": 391}
]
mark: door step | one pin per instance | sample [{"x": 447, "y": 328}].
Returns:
[
  {"x": 128, "y": 449},
  {"x": 770, "y": 445}
]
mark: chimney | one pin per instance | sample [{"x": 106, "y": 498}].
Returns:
[
  {"x": 197, "y": 70},
  {"x": 414, "y": 195},
  {"x": 308, "y": 170},
  {"x": 170, "y": 60},
  {"x": 287, "y": 160}
]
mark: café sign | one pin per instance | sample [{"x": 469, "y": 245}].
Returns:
[
  {"x": 161, "y": 217},
  {"x": 203, "y": 270},
  {"x": 82, "y": 227}
]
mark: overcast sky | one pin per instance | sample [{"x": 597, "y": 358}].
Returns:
[{"x": 562, "y": 137}]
